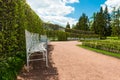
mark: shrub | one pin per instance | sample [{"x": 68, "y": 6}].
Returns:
[{"x": 107, "y": 45}]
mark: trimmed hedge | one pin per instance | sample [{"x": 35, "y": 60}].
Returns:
[
  {"x": 107, "y": 45},
  {"x": 63, "y": 36},
  {"x": 81, "y": 33},
  {"x": 57, "y": 35},
  {"x": 15, "y": 17}
]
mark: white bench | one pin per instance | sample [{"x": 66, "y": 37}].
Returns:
[
  {"x": 44, "y": 39},
  {"x": 33, "y": 45}
]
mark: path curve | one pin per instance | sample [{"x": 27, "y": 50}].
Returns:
[{"x": 75, "y": 63}]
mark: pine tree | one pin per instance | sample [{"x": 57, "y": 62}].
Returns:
[
  {"x": 83, "y": 23},
  {"x": 94, "y": 27},
  {"x": 107, "y": 22},
  {"x": 99, "y": 24},
  {"x": 116, "y": 22}
]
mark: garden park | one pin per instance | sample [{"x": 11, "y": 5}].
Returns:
[{"x": 76, "y": 48}]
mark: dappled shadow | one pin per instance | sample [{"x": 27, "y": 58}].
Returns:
[{"x": 39, "y": 71}]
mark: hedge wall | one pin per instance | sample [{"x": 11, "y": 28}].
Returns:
[
  {"x": 15, "y": 17},
  {"x": 63, "y": 36},
  {"x": 57, "y": 35}
]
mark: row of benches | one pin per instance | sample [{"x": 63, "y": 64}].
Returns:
[{"x": 36, "y": 43}]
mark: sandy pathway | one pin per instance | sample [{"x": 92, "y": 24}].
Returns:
[{"x": 75, "y": 63}]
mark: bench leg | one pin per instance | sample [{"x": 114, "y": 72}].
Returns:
[
  {"x": 28, "y": 63},
  {"x": 46, "y": 59}
]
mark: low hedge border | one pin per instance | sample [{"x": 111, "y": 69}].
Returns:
[{"x": 101, "y": 51}]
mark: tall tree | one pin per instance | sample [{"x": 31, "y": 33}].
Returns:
[
  {"x": 99, "y": 24},
  {"x": 107, "y": 22},
  {"x": 93, "y": 25},
  {"x": 83, "y": 23},
  {"x": 116, "y": 22}
]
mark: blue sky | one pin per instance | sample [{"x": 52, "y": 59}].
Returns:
[
  {"x": 63, "y": 11},
  {"x": 86, "y": 6}
]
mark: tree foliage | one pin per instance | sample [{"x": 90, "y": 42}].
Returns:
[
  {"x": 107, "y": 22},
  {"x": 83, "y": 23},
  {"x": 101, "y": 23},
  {"x": 116, "y": 22}
]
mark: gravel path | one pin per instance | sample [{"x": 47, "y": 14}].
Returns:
[
  {"x": 70, "y": 62},
  {"x": 75, "y": 63}
]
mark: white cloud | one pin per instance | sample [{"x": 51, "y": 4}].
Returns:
[
  {"x": 70, "y": 1},
  {"x": 54, "y": 11},
  {"x": 111, "y": 4}
]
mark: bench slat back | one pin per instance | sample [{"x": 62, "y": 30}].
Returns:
[
  {"x": 28, "y": 36},
  {"x": 31, "y": 40}
]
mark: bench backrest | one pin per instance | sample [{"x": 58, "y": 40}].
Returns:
[
  {"x": 31, "y": 39},
  {"x": 43, "y": 38},
  {"x": 28, "y": 40}
]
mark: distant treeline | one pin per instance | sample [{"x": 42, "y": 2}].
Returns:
[{"x": 102, "y": 23}]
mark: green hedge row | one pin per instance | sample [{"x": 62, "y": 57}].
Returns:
[
  {"x": 107, "y": 45},
  {"x": 57, "y": 35},
  {"x": 79, "y": 31},
  {"x": 15, "y": 17},
  {"x": 63, "y": 36}
]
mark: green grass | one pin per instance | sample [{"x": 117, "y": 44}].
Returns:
[{"x": 101, "y": 51}]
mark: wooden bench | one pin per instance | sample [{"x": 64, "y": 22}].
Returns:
[{"x": 33, "y": 45}]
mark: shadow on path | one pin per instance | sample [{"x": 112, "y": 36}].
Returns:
[{"x": 39, "y": 71}]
